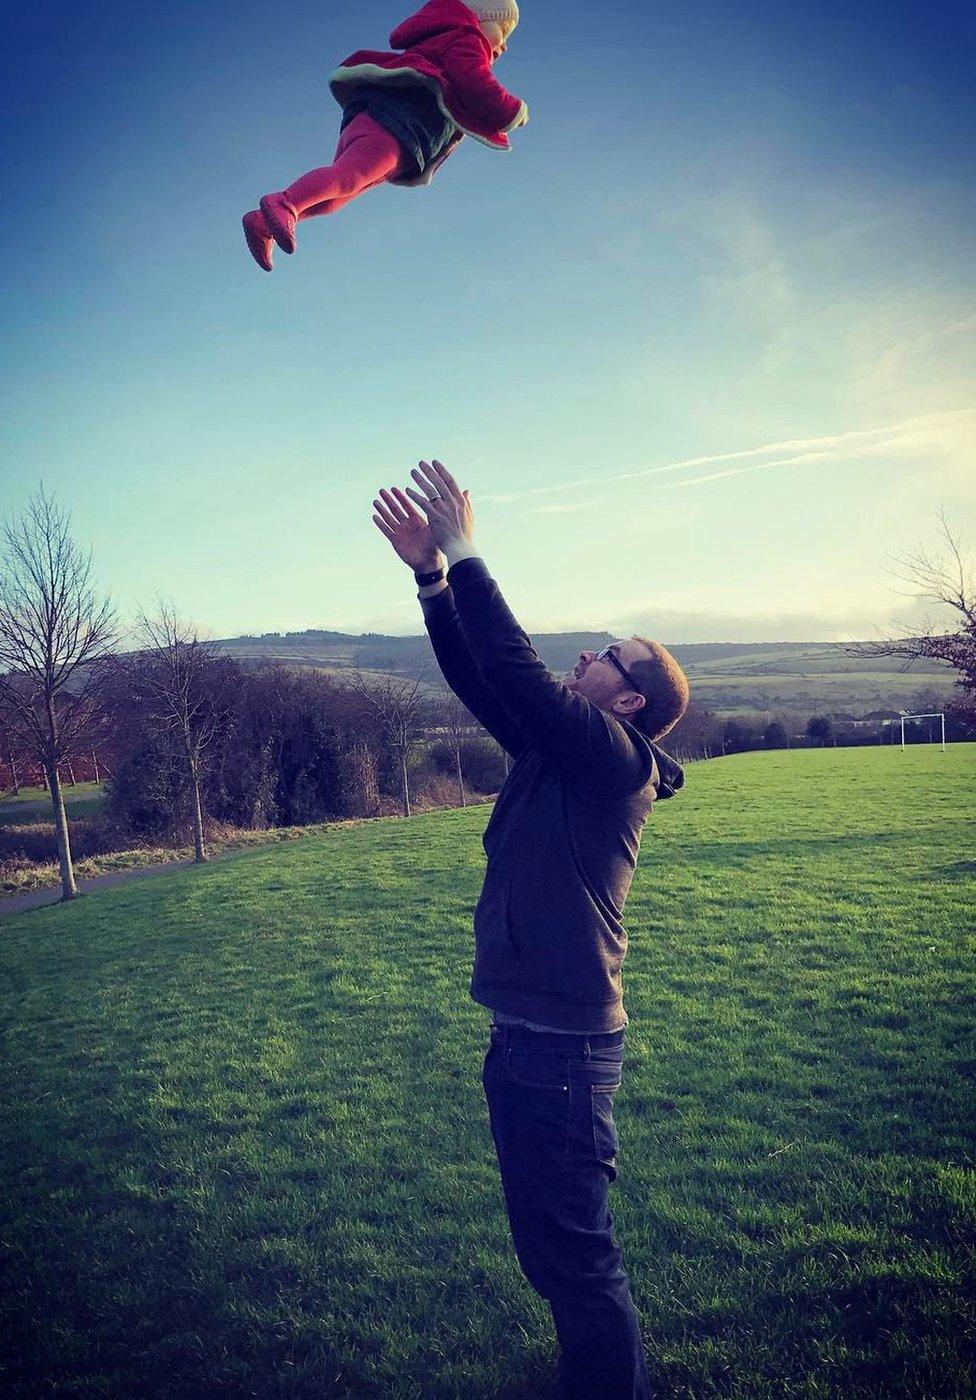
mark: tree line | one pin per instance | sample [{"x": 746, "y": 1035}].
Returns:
[
  {"x": 182, "y": 733},
  {"x": 186, "y": 734}
]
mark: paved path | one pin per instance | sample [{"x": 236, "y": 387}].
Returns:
[{"x": 34, "y": 899}]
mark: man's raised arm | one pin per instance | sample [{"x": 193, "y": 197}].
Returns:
[
  {"x": 410, "y": 536},
  {"x": 589, "y": 745}
]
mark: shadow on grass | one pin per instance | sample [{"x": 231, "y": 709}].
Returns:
[
  {"x": 805, "y": 848},
  {"x": 959, "y": 870}
]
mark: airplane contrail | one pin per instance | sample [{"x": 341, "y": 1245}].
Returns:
[{"x": 803, "y": 449}]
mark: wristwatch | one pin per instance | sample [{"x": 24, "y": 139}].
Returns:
[{"x": 425, "y": 579}]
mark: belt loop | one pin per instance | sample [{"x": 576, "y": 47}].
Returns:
[{"x": 586, "y": 1049}]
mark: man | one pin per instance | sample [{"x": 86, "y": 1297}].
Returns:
[{"x": 562, "y": 845}]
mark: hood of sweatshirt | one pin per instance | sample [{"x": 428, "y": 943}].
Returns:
[
  {"x": 671, "y": 773},
  {"x": 436, "y": 17}
]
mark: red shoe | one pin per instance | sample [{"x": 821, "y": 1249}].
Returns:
[
  {"x": 259, "y": 239},
  {"x": 281, "y": 218}
]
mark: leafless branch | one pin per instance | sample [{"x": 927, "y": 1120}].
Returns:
[
  {"x": 945, "y": 579},
  {"x": 54, "y": 637},
  {"x": 176, "y": 674},
  {"x": 53, "y": 630}
]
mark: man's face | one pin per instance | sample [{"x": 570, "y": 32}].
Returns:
[{"x": 601, "y": 682}]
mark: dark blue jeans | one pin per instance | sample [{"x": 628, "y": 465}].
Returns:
[{"x": 550, "y": 1101}]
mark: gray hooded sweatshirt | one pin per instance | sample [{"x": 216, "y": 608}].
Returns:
[{"x": 563, "y": 838}]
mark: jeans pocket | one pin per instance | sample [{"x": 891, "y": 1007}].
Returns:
[
  {"x": 537, "y": 1112},
  {"x": 606, "y": 1144},
  {"x": 538, "y": 1069}
]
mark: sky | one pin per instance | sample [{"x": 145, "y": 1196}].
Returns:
[{"x": 702, "y": 348}]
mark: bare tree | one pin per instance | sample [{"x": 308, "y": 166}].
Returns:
[
  {"x": 176, "y": 675},
  {"x": 459, "y": 722},
  {"x": 10, "y": 761},
  {"x": 399, "y": 707},
  {"x": 362, "y": 766},
  {"x": 946, "y": 580},
  {"x": 55, "y": 638}
]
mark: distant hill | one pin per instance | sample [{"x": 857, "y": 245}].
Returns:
[{"x": 727, "y": 677}]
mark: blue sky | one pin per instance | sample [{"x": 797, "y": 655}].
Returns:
[{"x": 726, "y": 228}]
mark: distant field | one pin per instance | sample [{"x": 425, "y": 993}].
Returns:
[
  {"x": 728, "y": 677},
  {"x": 809, "y": 678},
  {"x": 801, "y": 693},
  {"x": 245, "y": 1150},
  {"x": 34, "y": 804}
]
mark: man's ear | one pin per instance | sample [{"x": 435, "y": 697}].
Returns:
[{"x": 631, "y": 703}]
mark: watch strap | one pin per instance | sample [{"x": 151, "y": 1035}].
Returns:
[{"x": 425, "y": 579}]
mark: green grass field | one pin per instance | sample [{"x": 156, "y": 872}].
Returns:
[{"x": 245, "y": 1150}]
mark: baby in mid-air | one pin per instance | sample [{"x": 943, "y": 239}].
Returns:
[{"x": 404, "y": 113}]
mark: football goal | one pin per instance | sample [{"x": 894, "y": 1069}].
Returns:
[{"x": 932, "y": 728}]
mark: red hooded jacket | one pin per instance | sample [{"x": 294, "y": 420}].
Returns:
[{"x": 444, "y": 49}]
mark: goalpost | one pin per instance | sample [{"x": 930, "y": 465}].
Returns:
[{"x": 939, "y": 716}]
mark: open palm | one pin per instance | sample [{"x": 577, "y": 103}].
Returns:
[{"x": 407, "y": 530}]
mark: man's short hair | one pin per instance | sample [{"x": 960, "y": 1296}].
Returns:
[{"x": 664, "y": 687}]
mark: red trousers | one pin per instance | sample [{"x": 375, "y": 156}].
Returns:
[{"x": 367, "y": 155}]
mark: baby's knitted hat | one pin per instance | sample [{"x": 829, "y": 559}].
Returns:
[{"x": 503, "y": 12}]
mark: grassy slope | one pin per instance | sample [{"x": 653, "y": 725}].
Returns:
[{"x": 247, "y": 1151}]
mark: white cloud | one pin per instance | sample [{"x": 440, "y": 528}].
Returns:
[
  {"x": 678, "y": 624},
  {"x": 912, "y": 346},
  {"x": 752, "y": 268},
  {"x": 920, "y": 341}
]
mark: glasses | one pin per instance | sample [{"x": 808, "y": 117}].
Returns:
[{"x": 607, "y": 655}]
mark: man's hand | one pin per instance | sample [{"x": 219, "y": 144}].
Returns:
[
  {"x": 407, "y": 531},
  {"x": 447, "y": 507}
]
